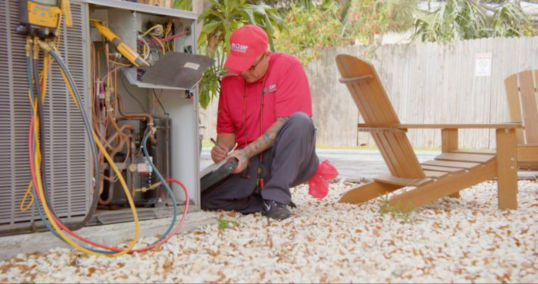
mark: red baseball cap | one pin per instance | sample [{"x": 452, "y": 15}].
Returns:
[{"x": 246, "y": 44}]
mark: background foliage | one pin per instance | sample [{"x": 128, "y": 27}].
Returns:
[
  {"x": 312, "y": 28},
  {"x": 220, "y": 20},
  {"x": 304, "y": 27},
  {"x": 466, "y": 19}
]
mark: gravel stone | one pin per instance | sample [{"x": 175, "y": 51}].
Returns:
[{"x": 451, "y": 240}]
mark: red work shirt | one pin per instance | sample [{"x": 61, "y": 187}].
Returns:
[{"x": 249, "y": 109}]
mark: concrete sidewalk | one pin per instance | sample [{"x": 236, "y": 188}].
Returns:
[{"x": 357, "y": 165}]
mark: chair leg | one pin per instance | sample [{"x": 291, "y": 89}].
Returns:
[
  {"x": 449, "y": 138},
  {"x": 367, "y": 191},
  {"x": 506, "y": 169}
]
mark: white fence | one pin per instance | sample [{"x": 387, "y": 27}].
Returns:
[{"x": 427, "y": 83}]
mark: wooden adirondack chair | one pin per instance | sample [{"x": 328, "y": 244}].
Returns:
[
  {"x": 447, "y": 174},
  {"x": 522, "y": 95}
]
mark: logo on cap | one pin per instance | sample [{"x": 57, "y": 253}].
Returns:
[{"x": 237, "y": 47}]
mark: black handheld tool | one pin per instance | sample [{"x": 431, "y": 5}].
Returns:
[{"x": 217, "y": 172}]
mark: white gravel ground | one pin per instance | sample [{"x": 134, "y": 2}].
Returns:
[{"x": 452, "y": 240}]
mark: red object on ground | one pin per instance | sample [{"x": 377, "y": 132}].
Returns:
[{"x": 318, "y": 185}]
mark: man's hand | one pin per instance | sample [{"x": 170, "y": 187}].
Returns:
[
  {"x": 242, "y": 158},
  {"x": 219, "y": 153},
  {"x": 223, "y": 144}
]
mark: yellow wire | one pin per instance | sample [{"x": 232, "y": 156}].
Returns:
[
  {"x": 59, "y": 230},
  {"x": 39, "y": 185},
  {"x": 168, "y": 28},
  {"x": 151, "y": 29},
  {"x": 146, "y": 50},
  {"x": 167, "y": 32},
  {"x": 43, "y": 76},
  {"x": 116, "y": 171},
  {"x": 151, "y": 187},
  {"x": 118, "y": 174},
  {"x": 26, "y": 194},
  {"x": 58, "y": 30},
  {"x": 29, "y": 188},
  {"x": 119, "y": 63}
]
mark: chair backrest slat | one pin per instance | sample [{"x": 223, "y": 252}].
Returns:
[
  {"x": 530, "y": 107},
  {"x": 376, "y": 109},
  {"x": 522, "y": 97},
  {"x": 514, "y": 104}
]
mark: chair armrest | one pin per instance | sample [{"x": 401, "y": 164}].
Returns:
[
  {"x": 403, "y": 127},
  {"x": 508, "y": 125},
  {"x": 367, "y": 127}
]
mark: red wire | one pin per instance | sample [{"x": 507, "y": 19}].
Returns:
[
  {"x": 174, "y": 36},
  {"x": 66, "y": 229}
]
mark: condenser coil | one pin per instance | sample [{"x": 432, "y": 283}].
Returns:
[{"x": 69, "y": 172}]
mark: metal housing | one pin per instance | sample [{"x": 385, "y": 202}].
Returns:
[{"x": 66, "y": 148}]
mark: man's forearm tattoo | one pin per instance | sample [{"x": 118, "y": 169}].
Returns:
[{"x": 265, "y": 141}]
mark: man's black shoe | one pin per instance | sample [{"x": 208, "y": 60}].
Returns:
[{"x": 275, "y": 210}]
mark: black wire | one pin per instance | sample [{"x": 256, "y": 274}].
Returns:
[
  {"x": 89, "y": 132},
  {"x": 41, "y": 127},
  {"x": 160, "y": 103},
  {"x": 39, "y": 106},
  {"x": 131, "y": 95}
]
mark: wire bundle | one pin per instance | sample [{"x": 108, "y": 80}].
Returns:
[
  {"x": 37, "y": 94},
  {"x": 159, "y": 36}
]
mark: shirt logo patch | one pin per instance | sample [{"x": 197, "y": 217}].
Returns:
[
  {"x": 269, "y": 89},
  {"x": 237, "y": 47}
]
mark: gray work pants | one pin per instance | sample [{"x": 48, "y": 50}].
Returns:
[{"x": 291, "y": 161}]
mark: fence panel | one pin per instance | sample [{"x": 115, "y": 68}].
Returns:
[{"x": 460, "y": 82}]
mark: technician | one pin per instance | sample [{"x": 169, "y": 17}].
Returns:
[{"x": 265, "y": 111}]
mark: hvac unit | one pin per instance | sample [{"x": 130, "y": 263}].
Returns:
[
  {"x": 173, "y": 104},
  {"x": 66, "y": 150},
  {"x": 68, "y": 161}
]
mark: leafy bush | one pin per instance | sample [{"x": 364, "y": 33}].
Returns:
[
  {"x": 465, "y": 19},
  {"x": 220, "y": 20},
  {"x": 308, "y": 29}
]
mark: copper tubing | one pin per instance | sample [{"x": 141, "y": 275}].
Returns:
[
  {"x": 110, "y": 190},
  {"x": 120, "y": 137},
  {"x": 93, "y": 91},
  {"x": 142, "y": 116},
  {"x": 121, "y": 129},
  {"x": 132, "y": 161},
  {"x": 108, "y": 118},
  {"x": 123, "y": 140},
  {"x": 129, "y": 155},
  {"x": 110, "y": 109},
  {"x": 129, "y": 116},
  {"x": 106, "y": 115}
]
